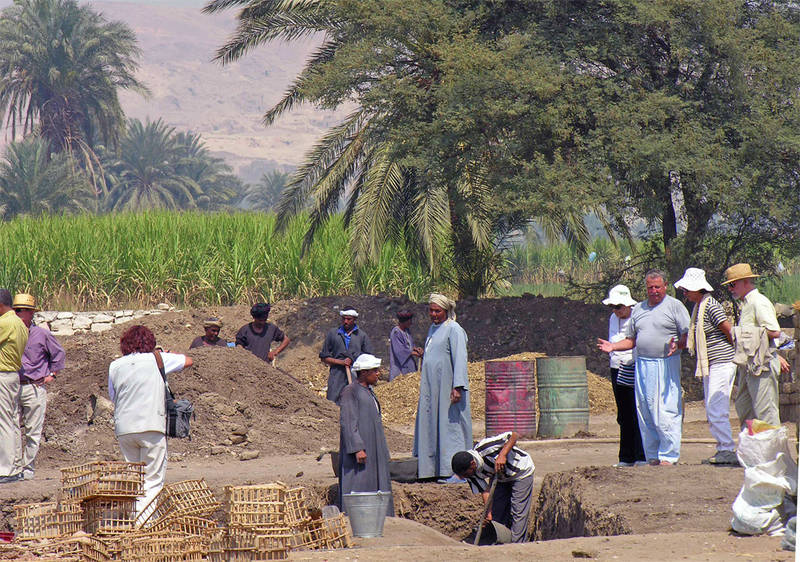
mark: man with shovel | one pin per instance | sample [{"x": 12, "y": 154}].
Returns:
[
  {"x": 511, "y": 471},
  {"x": 342, "y": 346}
]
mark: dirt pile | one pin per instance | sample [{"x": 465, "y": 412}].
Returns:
[
  {"x": 400, "y": 396},
  {"x": 242, "y": 404}
]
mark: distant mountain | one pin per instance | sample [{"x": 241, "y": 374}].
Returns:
[{"x": 225, "y": 105}]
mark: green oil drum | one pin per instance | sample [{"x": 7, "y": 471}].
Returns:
[{"x": 563, "y": 391}]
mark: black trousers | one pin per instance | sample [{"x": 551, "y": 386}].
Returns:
[{"x": 630, "y": 439}]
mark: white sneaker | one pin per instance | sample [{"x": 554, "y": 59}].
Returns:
[
  {"x": 27, "y": 474},
  {"x": 622, "y": 464}
]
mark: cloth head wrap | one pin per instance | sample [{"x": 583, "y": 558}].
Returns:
[
  {"x": 212, "y": 322},
  {"x": 366, "y": 361},
  {"x": 445, "y": 303},
  {"x": 348, "y": 312}
]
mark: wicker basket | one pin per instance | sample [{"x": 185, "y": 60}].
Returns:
[
  {"x": 160, "y": 547},
  {"x": 318, "y": 534},
  {"x": 179, "y": 499},
  {"x": 256, "y": 506},
  {"x": 41, "y": 520},
  {"x": 83, "y": 548},
  {"x": 108, "y": 515},
  {"x": 296, "y": 509},
  {"x": 239, "y": 544},
  {"x": 272, "y": 543},
  {"x": 102, "y": 479}
]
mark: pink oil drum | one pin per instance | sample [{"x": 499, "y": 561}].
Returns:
[{"x": 511, "y": 397}]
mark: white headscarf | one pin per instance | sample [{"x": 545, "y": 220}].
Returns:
[
  {"x": 349, "y": 312},
  {"x": 445, "y": 303}
]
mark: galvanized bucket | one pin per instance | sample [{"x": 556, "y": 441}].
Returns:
[{"x": 367, "y": 512}]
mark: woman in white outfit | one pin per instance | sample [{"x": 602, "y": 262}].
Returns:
[
  {"x": 710, "y": 341},
  {"x": 136, "y": 388}
]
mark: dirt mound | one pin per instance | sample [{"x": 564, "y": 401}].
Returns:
[
  {"x": 240, "y": 401},
  {"x": 403, "y": 392}
]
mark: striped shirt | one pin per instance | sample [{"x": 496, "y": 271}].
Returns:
[
  {"x": 519, "y": 464},
  {"x": 625, "y": 375},
  {"x": 719, "y": 348}
]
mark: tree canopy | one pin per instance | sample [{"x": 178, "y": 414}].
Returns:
[{"x": 477, "y": 115}]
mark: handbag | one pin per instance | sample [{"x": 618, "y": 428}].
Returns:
[{"x": 180, "y": 412}]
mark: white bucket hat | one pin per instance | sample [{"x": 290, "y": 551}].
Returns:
[
  {"x": 619, "y": 294},
  {"x": 694, "y": 279},
  {"x": 366, "y": 361}
]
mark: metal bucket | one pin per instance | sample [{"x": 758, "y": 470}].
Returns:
[
  {"x": 367, "y": 512},
  {"x": 510, "y": 397},
  {"x": 493, "y": 533},
  {"x": 563, "y": 396}
]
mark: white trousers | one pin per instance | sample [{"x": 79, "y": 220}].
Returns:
[
  {"x": 33, "y": 401},
  {"x": 717, "y": 388},
  {"x": 10, "y": 439},
  {"x": 149, "y": 447}
]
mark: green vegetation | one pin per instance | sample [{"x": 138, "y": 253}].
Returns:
[{"x": 191, "y": 258}]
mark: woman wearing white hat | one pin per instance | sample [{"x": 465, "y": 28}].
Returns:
[
  {"x": 710, "y": 341},
  {"x": 621, "y": 365}
]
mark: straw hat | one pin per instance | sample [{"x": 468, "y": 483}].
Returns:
[
  {"x": 738, "y": 271},
  {"x": 619, "y": 295},
  {"x": 694, "y": 279},
  {"x": 25, "y": 301}
]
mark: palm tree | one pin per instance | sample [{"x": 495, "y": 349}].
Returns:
[
  {"x": 264, "y": 195},
  {"x": 32, "y": 183},
  {"x": 144, "y": 175},
  {"x": 61, "y": 66},
  {"x": 219, "y": 185},
  {"x": 454, "y": 217}
]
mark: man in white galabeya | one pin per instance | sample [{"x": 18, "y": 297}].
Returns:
[{"x": 658, "y": 328}]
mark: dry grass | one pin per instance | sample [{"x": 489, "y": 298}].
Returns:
[{"x": 399, "y": 398}]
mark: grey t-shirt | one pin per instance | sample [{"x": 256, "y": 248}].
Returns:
[{"x": 653, "y": 326}]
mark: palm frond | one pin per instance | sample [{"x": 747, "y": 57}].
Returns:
[{"x": 430, "y": 216}]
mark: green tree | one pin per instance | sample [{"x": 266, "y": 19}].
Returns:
[
  {"x": 33, "y": 183},
  {"x": 415, "y": 160},
  {"x": 61, "y": 67},
  {"x": 144, "y": 174},
  {"x": 220, "y": 187},
  {"x": 691, "y": 117},
  {"x": 264, "y": 195}
]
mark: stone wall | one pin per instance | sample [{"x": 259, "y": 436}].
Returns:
[{"x": 69, "y": 323}]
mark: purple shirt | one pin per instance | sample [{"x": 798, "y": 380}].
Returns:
[
  {"x": 43, "y": 354},
  {"x": 400, "y": 359}
]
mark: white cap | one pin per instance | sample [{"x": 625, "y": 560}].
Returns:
[
  {"x": 348, "y": 312},
  {"x": 693, "y": 279},
  {"x": 366, "y": 361},
  {"x": 619, "y": 294}
]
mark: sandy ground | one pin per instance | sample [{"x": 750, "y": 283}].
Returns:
[{"x": 673, "y": 513}]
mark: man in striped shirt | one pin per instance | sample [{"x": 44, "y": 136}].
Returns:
[{"x": 513, "y": 467}]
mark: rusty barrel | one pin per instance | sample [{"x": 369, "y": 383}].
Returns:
[
  {"x": 563, "y": 390},
  {"x": 510, "y": 397}
]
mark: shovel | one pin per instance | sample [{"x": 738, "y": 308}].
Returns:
[
  {"x": 349, "y": 374},
  {"x": 486, "y": 509}
]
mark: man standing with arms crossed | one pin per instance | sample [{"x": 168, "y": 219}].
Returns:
[
  {"x": 758, "y": 393},
  {"x": 13, "y": 337},
  {"x": 658, "y": 328},
  {"x": 42, "y": 360}
]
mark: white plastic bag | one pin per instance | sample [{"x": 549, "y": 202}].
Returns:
[
  {"x": 755, "y": 509},
  {"x": 762, "y": 447}
]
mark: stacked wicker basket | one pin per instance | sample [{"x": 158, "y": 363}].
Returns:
[
  {"x": 266, "y": 521},
  {"x": 94, "y": 520}
]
